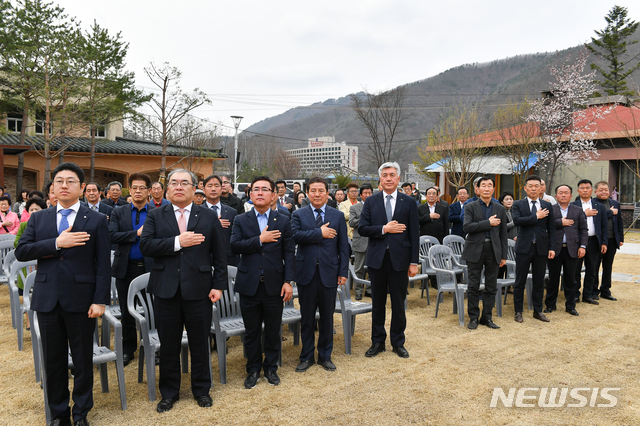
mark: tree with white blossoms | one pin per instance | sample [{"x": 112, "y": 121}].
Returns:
[{"x": 566, "y": 127}]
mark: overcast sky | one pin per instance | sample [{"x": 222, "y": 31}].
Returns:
[{"x": 259, "y": 58}]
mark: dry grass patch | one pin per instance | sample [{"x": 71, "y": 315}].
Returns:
[{"x": 449, "y": 378}]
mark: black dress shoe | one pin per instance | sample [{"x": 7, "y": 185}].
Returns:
[
  {"x": 590, "y": 301},
  {"x": 573, "y": 312},
  {"x": 327, "y": 365},
  {"x": 304, "y": 365},
  {"x": 473, "y": 324},
  {"x": 540, "y": 316},
  {"x": 518, "y": 317},
  {"x": 82, "y": 422},
  {"x": 488, "y": 323},
  {"x": 401, "y": 351},
  {"x": 609, "y": 297},
  {"x": 375, "y": 349},
  {"x": 251, "y": 380},
  {"x": 549, "y": 309},
  {"x": 126, "y": 359},
  {"x": 204, "y": 401},
  {"x": 166, "y": 404},
  {"x": 272, "y": 377},
  {"x": 596, "y": 297},
  {"x": 60, "y": 422},
  {"x": 358, "y": 296}
]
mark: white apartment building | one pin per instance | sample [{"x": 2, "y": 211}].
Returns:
[{"x": 324, "y": 154}]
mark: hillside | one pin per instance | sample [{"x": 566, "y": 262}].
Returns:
[{"x": 490, "y": 83}]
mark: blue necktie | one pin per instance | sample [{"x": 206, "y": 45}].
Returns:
[
  {"x": 64, "y": 223},
  {"x": 388, "y": 208},
  {"x": 215, "y": 209},
  {"x": 319, "y": 218}
]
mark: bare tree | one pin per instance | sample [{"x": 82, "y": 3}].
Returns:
[
  {"x": 383, "y": 115},
  {"x": 286, "y": 165},
  {"x": 171, "y": 105}
]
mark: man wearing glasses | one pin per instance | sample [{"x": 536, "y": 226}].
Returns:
[
  {"x": 114, "y": 195},
  {"x": 185, "y": 240},
  {"x": 71, "y": 244},
  {"x": 227, "y": 197},
  {"x": 125, "y": 226}
]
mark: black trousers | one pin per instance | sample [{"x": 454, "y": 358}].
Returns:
[
  {"x": 488, "y": 262},
  {"x": 590, "y": 261},
  {"x": 129, "y": 334},
  {"x": 312, "y": 296},
  {"x": 171, "y": 316},
  {"x": 60, "y": 328},
  {"x": 607, "y": 267},
  {"x": 562, "y": 261},
  {"x": 538, "y": 265},
  {"x": 255, "y": 310},
  {"x": 387, "y": 280}
]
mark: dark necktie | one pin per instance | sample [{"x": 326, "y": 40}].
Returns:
[
  {"x": 319, "y": 218},
  {"x": 64, "y": 223},
  {"x": 215, "y": 209},
  {"x": 388, "y": 208},
  {"x": 533, "y": 211}
]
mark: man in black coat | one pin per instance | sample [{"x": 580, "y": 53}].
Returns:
[
  {"x": 615, "y": 238},
  {"x": 114, "y": 195},
  {"x": 456, "y": 217},
  {"x": 264, "y": 239},
  {"x": 92, "y": 194},
  {"x": 596, "y": 243},
  {"x": 434, "y": 216},
  {"x": 228, "y": 197},
  {"x": 571, "y": 242},
  {"x": 125, "y": 226},
  {"x": 485, "y": 224},
  {"x": 185, "y": 240},
  {"x": 535, "y": 244},
  {"x": 226, "y": 214}
]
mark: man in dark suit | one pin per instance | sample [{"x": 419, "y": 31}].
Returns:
[
  {"x": 226, "y": 214},
  {"x": 571, "y": 242},
  {"x": 114, "y": 195},
  {"x": 322, "y": 263},
  {"x": 615, "y": 239},
  {"x": 275, "y": 206},
  {"x": 71, "y": 244},
  {"x": 434, "y": 216},
  {"x": 282, "y": 198},
  {"x": 596, "y": 244},
  {"x": 185, "y": 240},
  {"x": 359, "y": 243},
  {"x": 92, "y": 194},
  {"x": 126, "y": 225},
  {"x": 485, "y": 223},
  {"x": 264, "y": 240},
  {"x": 455, "y": 212},
  {"x": 535, "y": 244},
  {"x": 228, "y": 197},
  {"x": 390, "y": 220}
]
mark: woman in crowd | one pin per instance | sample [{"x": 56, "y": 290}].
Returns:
[
  {"x": 298, "y": 199},
  {"x": 19, "y": 205},
  {"x": 506, "y": 199},
  {"x": 10, "y": 220}
]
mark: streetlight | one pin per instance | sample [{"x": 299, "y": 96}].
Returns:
[{"x": 236, "y": 123}]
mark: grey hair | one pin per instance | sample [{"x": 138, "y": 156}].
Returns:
[
  {"x": 388, "y": 165},
  {"x": 115, "y": 182},
  {"x": 194, "y": 179}
]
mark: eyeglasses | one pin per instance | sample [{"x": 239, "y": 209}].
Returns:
[
  {"x": 226, "y": 182},
  {"x": 68, "y": 182},
  {"x": 183, "y": 184},
  {"x": 256, "y": 190},
  {"x": 138, "y": 188}
]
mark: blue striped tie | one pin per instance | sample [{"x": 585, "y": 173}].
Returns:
[
  {"x": 319, "y": 218},
  {"x": 64, "y": 223}
]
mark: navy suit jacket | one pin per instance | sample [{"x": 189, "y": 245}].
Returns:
[
  {"x": 331, "y": 254},
  {"x": 456, "y": 219},
  {"x": 600, "y": 221},
  {"x": 190, "y": 267},
  {"x": 529, "y": 225},
  {"x": 77, "y": 277},
  {"x": 164, "y": 202},
  {"x": 404, "y": 248},
  {"x": 123, "y": 237},
  {"x": 274, "y": 261},
  {"x": 102, "y": 207},
  {"x": 109, "y": 202}
]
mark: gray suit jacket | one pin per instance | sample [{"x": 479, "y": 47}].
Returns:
[
  {"x": 476, "y": 227},
  {"x": 358, "y": 243}
]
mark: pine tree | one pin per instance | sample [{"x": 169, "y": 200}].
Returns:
[{"x": 612, "y": 45}]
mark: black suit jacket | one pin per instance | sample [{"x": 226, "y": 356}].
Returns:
[
  {"x": 456, "y": 219},
  {"x": 123, "y": 237},
  {"x": 439, "y": 227},
  {"x": 77, "y": 277},
  {"x": 228, "y": 213},
  {"x": 190, "y": 267},
  {"x": 274, "y": 261},
  {"x": 109, "y": 202},
  {"x": 405, "y": 247},
  {"x": 618, "y": 228},
  {"x": 102, "y": 207},
  {"x": 476, "y": 227},
  {"x": 577, "y": 234},
  {"x": 529, "y": 225},
  {"x": 599, "y": 220}
]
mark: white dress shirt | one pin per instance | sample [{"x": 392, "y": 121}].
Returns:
[
  {"x": 590, "y": 222},
  {"x": 187, "y": 211},
  {"x": 70, "y": 218}
]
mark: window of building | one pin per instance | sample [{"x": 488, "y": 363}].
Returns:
[
  {"x": 14, "y": 122},
  {"x": 101, "y": 132}
]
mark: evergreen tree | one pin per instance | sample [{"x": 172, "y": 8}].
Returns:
[{"x": 612, "y": 45}]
